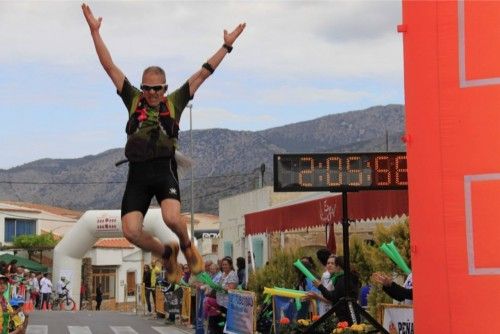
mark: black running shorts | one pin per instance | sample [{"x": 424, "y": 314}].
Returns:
[{"x": 150, "y": 178}]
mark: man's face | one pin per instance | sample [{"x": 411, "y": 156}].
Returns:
[{"x": 154, "y": 87}]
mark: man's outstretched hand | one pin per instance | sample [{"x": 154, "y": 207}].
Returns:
[
  {"x": 94, "y": 24},
  {"x": 229, "y": 38}
]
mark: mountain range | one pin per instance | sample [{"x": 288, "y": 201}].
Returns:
[{"x": 226, "y": 162}]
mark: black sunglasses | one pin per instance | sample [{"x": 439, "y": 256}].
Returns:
[{"x": 157, "y": 88}]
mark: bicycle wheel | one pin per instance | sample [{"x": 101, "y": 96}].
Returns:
[
  {"x": 56, "y": 305},
  {"x": 68, "y": 304}
]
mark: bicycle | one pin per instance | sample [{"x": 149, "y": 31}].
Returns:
[{"x": 63, "y": 302}]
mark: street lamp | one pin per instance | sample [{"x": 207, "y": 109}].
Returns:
[{"x": 190, "y": 106}]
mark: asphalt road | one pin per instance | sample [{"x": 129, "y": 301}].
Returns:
[{"x": 103, "y": 322}]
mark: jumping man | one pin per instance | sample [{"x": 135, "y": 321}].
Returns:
[{"x": 152, "y": 132}]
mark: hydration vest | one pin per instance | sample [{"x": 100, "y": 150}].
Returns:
[{"x": 166, "y": 119}]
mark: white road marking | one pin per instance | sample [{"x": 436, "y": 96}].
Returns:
[
  {"x": 37, "y": 329},
  {"x": 123, "y": 330},
  {"x": 170, "y": 330},
  {"x": 79, "y": 330}
]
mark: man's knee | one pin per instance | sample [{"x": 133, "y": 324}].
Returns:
[{"x": 131, "y": 234}]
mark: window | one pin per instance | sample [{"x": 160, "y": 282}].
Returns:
[
  {"x": 258, "y": 251},
  {"x": 106, "y": 276},
  {"x": 16, "y": 227},
  {"x": 228, "y": 248}
]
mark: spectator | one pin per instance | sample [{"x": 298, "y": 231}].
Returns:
[
  {"x": 34, "y": 289},
  {"x": 98, "y": 296},
  {"x": 395, "y": 291},
  {"x": 39, "y": 280},
  {"x": 46, "y": 290},
  {"x": 323, "y": 255},
  {"x": 17, "y": 317},
  {"x": 215, "y": 273},
  {"x": 240, "y": 264},
  {"x": 186, "y": 273},
  {"x": 323, "y": 303},
  {"x": 212, "y": 312},
  {"x": 155, "y": 275},
  {"x": 12, "y": 267},
  {"x": 208, "y": 263},
  {"x": 339, "y": 291},
  {"x": 61, "y": 286},
  {"x": 83, "y": 293},
  {"x": 146, "y": 279},
  {"x": 229, "y": 281}
]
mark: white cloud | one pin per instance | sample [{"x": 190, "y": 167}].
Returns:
[
  {"x": 303, "y": 95},
  {"x": 282, "y": 38},
  {"x": 207, "y": 118}
]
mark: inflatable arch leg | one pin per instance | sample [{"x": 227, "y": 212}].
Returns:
[{"x": 95, "y": 224}]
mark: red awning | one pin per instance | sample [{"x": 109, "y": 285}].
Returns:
[{"x": 327, "y": 210}]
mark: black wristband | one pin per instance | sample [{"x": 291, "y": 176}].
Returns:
[
  {"x": 229, "y": 48},
  {"x": 208, "y": 67}
]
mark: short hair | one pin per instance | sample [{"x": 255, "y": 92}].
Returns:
[
  {"x": 240, "y": 262},
  {"x": 155, "y": 70},
  {"x": 323, "y": 254}
]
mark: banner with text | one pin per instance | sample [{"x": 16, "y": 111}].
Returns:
[
  {"x": 398, "y": 320},
  {"x": 240, "y": 312}
]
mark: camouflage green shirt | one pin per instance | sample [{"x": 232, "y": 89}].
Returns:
[{"x": 150, "y": 141}]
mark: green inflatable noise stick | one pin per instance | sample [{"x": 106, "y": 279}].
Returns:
[
  {"x": 400, "y": 261},
  {"x": 304, "y": 270},
  {"x": 205, "y": 278},
  {"x": 392, "y": 252}
]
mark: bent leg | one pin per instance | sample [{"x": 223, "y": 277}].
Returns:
[
  {"x": 133, "y": 232},
  {"x": 171, "y": 213}
]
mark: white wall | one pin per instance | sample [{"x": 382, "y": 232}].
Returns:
[
  {"x": 42, "y": 218},
  {"x": 232, "y": 220},
  {"x": 126, "y": 260}
]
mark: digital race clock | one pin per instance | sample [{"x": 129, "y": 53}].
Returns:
[{"x": 340, "y": 171}]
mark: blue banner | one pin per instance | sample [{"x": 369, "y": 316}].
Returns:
[
  {"x": 240, "y": 312},
  {"x": 200, "y": 317}
]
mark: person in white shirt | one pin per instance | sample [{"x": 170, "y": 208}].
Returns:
[
  {"x": 45, "y": 289},
  {"x": 61, "y": 286}
]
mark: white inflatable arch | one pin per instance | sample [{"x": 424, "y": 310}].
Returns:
[{"x": 95, "y": 224}]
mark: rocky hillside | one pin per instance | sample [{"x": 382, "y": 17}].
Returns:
[{"x": 225, "y": 161}]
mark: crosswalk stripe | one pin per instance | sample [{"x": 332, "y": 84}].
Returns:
[
  {"x": 163, "y": 330},
  {"x": 171, "y": 330},
  {"x": 79, "y": 330},
  {"x": 37, "y": 329},
  {"x": 123, "y": 330}
]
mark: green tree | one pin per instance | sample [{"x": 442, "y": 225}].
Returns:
[{"x": 33, "y": 242}]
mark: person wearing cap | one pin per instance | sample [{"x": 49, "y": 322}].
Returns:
[
  {"x": 61, "y": 286},
  {"x": 152, "y": 134}
]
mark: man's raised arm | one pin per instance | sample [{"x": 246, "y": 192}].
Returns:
[
  {"x": 113, "y": 71},
  {"x": 209, "y": 67}
]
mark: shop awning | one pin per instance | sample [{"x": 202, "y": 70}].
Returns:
[
  {"x": 328, "y": 210},
  {"x": 22, "y": 261}
]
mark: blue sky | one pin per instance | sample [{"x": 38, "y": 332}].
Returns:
[{"x": 296, "y": 61}]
